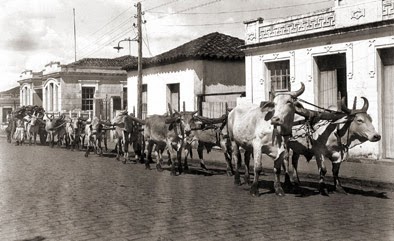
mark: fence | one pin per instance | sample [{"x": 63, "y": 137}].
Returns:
[{"x": 216, "y": 106}]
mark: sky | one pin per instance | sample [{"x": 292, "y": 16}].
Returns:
[{"x": 36, "y": 32}]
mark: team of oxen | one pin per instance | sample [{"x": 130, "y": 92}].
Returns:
[{"x": 276, "y": 128}]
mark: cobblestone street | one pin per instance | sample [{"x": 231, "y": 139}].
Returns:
[{"x": 56, "y": 194}]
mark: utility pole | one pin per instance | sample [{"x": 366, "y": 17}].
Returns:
[
  {"x": 75, "y": 38},
  {"x": 139, "y": 80}
]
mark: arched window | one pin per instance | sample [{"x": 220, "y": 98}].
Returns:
[{"x": 51, "y": 94}]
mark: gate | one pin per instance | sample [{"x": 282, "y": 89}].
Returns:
[{"x": 216, "y": 108}]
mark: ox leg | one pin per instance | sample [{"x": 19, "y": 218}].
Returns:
[
  {"x": 149, "y": 155},
  {"x": 188, "y": 150},
  {"x": 236, "y": 156},
  {"x": 337, "y": 183},
  {"x": 172, "y": 156},
  {"x": 294, "y": 163},
  {"x": 200, "y": 151},
  {"x": 227, "y": 156},
  {"x": 118, "y": 148},
  {"x": 286, "y": 163},
  {"x": 322, "y": 172},
  {"x": 159, "y": 158},
  {"x": 247, "y": 155},
  {"x": 258, "y": 167},
  {"x": 89, "y": 144}
]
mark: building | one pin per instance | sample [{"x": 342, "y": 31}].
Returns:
[
  {"x": 209, "y": 69},
  {"x": 347, "y": 49},
  {"x": 94, "y": 86},
  {"x": 9, "y": 101}
]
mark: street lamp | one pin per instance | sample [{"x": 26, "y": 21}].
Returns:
[{"x": 126, "y": 39}]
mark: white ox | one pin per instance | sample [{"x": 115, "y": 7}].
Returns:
[
  {"x": 262, "y": 129},
  {"x": 331, "y": 140}
]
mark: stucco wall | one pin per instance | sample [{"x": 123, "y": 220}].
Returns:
[
  {"x": 188, "y": 74},
  {"x": 361, "y": 64}
]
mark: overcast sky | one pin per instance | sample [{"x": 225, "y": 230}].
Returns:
[{"x": 35, "y": 32}]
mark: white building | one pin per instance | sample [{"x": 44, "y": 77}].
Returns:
[
  {"x": 210, "y": 65},
  {"x": 348, "y": 48}
]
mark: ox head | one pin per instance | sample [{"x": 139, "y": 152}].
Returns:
[
  {"x": 361, "y": 123},
  {"x": 187, "y": 121},
  {"x": 281, "y": 110}
]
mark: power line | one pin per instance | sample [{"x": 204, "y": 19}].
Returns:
[
  {"x": 206, "y": 24},
  {"x": 241, "y": 11},
  {"x": 191, "y": 8},
  {"x": 162, "y": 5}
]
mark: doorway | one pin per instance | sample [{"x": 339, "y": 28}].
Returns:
[{"x": 330, "y": 74}]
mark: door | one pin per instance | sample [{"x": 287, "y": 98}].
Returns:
[
  {"x": 388, "y": 111},
  {"x": 173, "y": 96},
  {"x": 328, "y": 89},
  {"x": 330, "y": 72}
]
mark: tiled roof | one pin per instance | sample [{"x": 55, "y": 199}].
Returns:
[
  {"x": 13, "y": 91},
  {"x": 211, "y": 46},
  {"x": 104, "y": 62}
]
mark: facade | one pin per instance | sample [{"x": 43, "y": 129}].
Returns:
[
  {"x": 346, "y": 50},
  {"x": 212, "y": 64},
  {"x": 94, "y": 86},
  {"x": 9, "y": 101}
]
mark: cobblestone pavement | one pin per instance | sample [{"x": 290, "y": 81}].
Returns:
[{"x": 56, "y": 194}]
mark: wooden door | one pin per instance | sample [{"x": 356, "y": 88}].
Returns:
[
  {"x": 388, "y": 111},
  {"x": 173, "y": 96},
  {"x": 328, "y": 89}
]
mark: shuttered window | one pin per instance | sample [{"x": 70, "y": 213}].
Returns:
[
  {"x": 87, "y": 98},
  {"x": 279, "y": 74}
]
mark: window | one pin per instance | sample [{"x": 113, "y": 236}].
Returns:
[
  {"x": 279, "y": 74},
  {"x": 87, "y": 98}
]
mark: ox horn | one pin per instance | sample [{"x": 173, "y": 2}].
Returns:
[
  {"x": 366, "y": 104},
  {"x": 354, "y": 103},
  {"x": 344, "y": 106},
  {"x": 298, "y": 92}
]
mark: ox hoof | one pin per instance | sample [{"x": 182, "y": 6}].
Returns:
[
  {"x": 169, "y": 162},
  {"x": 237, "y": 180},
  {"x": 247, "y": 180},
  {"x": 339, "y": 189},
  {"x": 323, "y": 189},
  {"x": 86, "y": 155},
  {"x": 124, "y": 161},
  {"x": 254, "y": 190},
  {"x": 229, "y": 172},
  {"x": 173, "y": 172},
  {"x": 185, "y": 168},
  {"x": 117, "y": 158},
  {"x": 202, "y": 165},
  {"x": 159, "y": 168},
  {"x": 279, "y": 192},
  {"x": 147, "y": 166}
]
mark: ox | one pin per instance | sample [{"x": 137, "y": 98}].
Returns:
[
  {"x": 55, "y": 127},
  {"x": 128, "y": 131},
  {"x": 10, "y": 129},
  {"x": 32, "y": 127},
  {"x": 207, "y": 133},
  {"x": 74, "y": 128},
  {"x": 262, "y": 129},
  {"x": 166, "y": 132},
  {"x": 331, "y": 140},
  {"x": 94, "y": 136}
]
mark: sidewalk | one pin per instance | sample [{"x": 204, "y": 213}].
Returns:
[{"x": 375, "y": 174}]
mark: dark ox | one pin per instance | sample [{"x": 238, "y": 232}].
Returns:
[
  {"x": 205, "y": 134},
  {"x": 55, "y": 127},
  {"x": 332, "y": 140},
  {"x": 75, "y": 126},
  {"x": 262, "y": 129},
  {"x": 94, "y": 135},
  {"x": 166, "y": 132},
  {"x": 32, "y": 127},
  {"x": 128, "y": 131}
]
